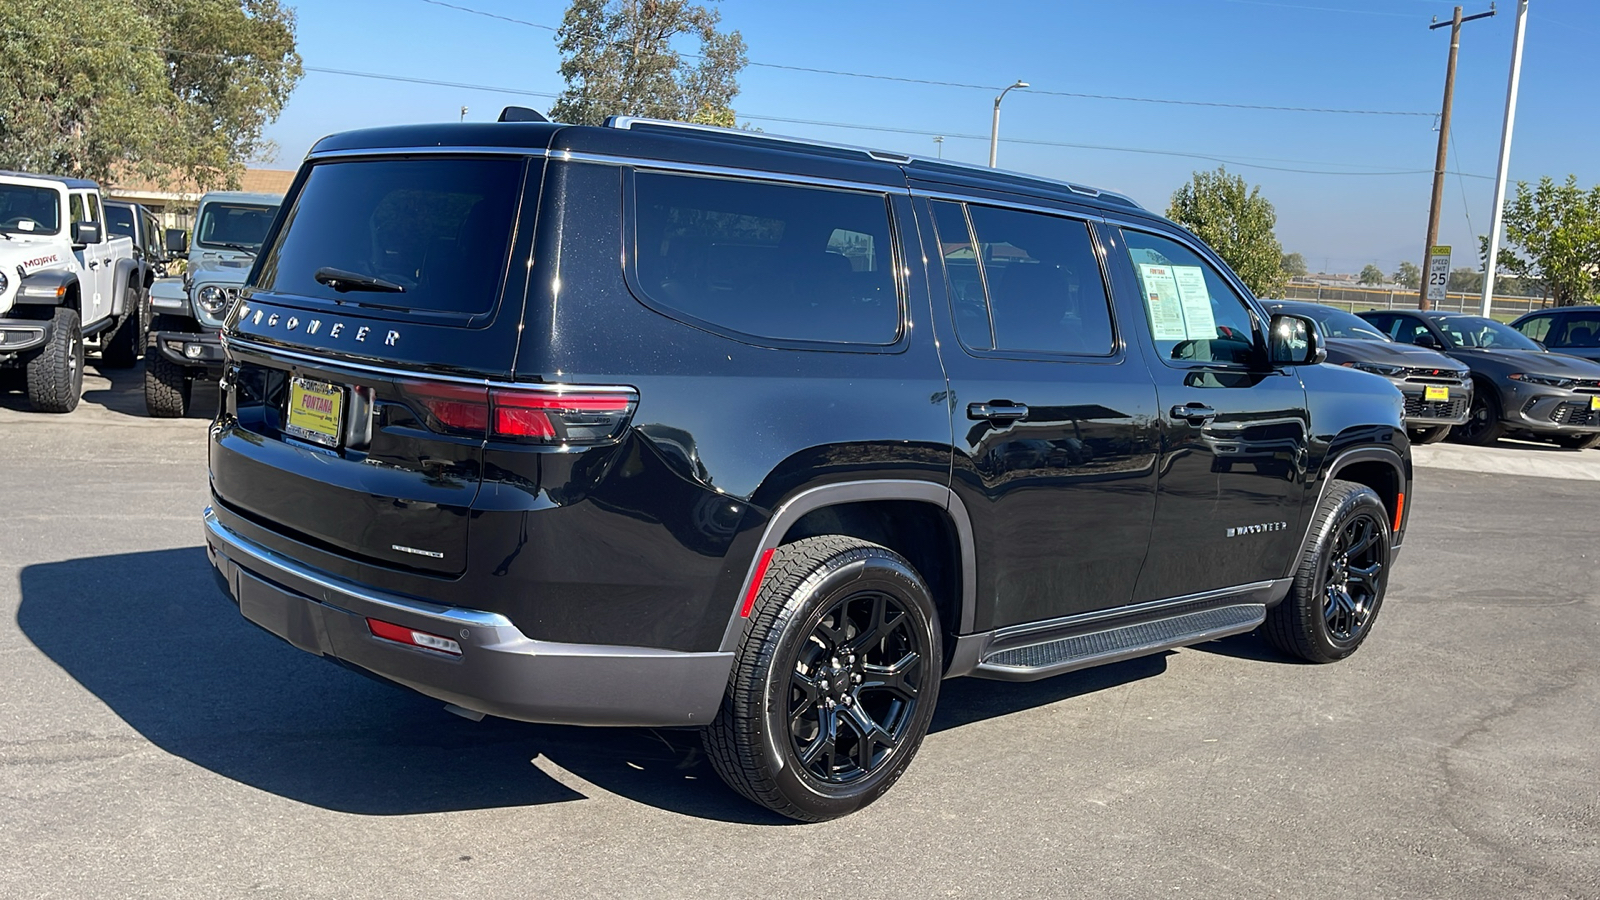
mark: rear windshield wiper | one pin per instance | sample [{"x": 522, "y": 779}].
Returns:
[{"x": 343, "y": 281}]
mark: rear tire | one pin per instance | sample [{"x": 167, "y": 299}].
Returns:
[
  {"x": 1483, "y": 427},
  {"x": 1577, "y": 441},
  {"x": 121, "y": 348},
  {"x": 55, "y": 372},
  {"x": 1431, "y": 435},
  {"x": 1339, "y": 585},
  {"x": 835, "y": 681}
]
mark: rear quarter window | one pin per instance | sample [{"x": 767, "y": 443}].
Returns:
[
  {"x": 437, "y": 229},
  {"x": 772, "y": 261}
]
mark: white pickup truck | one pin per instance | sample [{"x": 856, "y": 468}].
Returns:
[{"x": 63, "y": 280}]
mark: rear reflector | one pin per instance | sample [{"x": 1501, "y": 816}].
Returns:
[
  {"x": 544, "y": 415},
  {"x": 755, "y": 583},
  {"x": 403, "y": 635}
]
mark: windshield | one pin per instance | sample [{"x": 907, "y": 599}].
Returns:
[
  {"x": 239, "y": 224},
  {"x": 25, "y": 209},
  {"x": 1483, "y": 334},
  {"x": 424, "y": 235},
  {"x": 119, "y": 219},
  {"x": 1337, "y": 323}
]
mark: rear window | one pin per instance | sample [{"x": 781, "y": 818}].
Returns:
[
  {"x": 433, "y": 232},
  {"x": 768, "y": 260}
]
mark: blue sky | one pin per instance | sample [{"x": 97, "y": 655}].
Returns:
[{"x": 1343, "y": 54}]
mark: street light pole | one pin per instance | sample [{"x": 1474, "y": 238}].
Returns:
[
  {"x": 1505, "y": 156},
  {"x": 994, "y": 129}
]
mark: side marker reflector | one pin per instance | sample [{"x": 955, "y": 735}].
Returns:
[
  {"x": 755, "y": 583},
  {"x": 403, "y": 635},
  {"x": 1399, "y": 508}
]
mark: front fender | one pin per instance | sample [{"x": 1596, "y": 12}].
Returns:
[{"x": 46, "y": 288}]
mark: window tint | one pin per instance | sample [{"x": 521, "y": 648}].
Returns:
[
  {"x": 1194, "y": 313},
  {"x": 1580, "y": 330},
  {"x": 236, "y": 225},
  {"x": 1338, "y": 324},
  {"x": 75, "y": 208},
  {"x": 1045, "y": 290},
  {"x": 94, "y": 208},
  {"x": 968, "y": 305},
  {"x": 768, "y": 260},
  {"x": 1408, "y": 330},
  {"x": 1476, "y": 331},
  {"x": 119, "y": 221},
  {"x": 438, "y": 228}
]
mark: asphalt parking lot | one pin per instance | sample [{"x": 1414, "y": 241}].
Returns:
[{"x": 153, "y": 744}]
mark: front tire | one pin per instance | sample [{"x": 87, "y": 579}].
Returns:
[
  {"x": 167, "y": 385},
  {"x": 1483, "y": 427},
  {"x": 1431, "y": 435},
  {"x": 834, "y": 684},
  {"x": 1339, "y": 585},
  {"x": 55, "y": 373},
  {"x": 1577, "y": 441}
]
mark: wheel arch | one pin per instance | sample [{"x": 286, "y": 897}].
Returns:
[
  {"x": 900, "y": 514},
  {"x": 1380, "y": 468}
]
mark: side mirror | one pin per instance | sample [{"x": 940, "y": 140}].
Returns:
[
  {"x": 85, "y": 233},
  {"x": 1541, "y": 344},
  {"x": 177, "y": 241},
  {"x": 1294, "y": 341}
]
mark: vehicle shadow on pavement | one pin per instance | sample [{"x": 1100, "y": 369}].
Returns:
[
  {"x": 125, "y": 395},
  {"x": 152, "y": 637}
]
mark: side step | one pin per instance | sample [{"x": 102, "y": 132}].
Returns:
[{"x": 1080, "y": 651}]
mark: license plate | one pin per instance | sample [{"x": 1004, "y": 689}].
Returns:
[
  {"x": 1594, "y": 402},
  {"x": 1435, "y": 392},
  {"x": 316, "y": 411}
]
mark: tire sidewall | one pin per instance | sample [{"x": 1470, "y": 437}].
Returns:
[
  {"x": 849, "y": 573},
  {"x": 1351, "y": 505}
]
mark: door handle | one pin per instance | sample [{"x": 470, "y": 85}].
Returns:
[
  {"x": 107, "y": 260},
  {"x": 94, "y": 263},
  {"x": 1194, "y": 413},
  {"x": 996, "y": 410}
]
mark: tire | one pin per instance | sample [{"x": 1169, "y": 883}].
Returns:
[
  {"x": 1483, "y": 427},
  {"x": 1431, "y": 435},
  {"x": 167, "y": 386},
  {"x": 55, "y": 371},
  {"x": 121, "y": 348},
  {"x": 1577, "y": 441},
  {"x": 821, "y": 599},
  {"x": 1328, "y": 614}
]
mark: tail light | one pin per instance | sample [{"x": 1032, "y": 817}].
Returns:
[{"x": 567, "y": 415}]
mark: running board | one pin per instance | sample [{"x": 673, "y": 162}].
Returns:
[{"x": 1080, "y": 651}]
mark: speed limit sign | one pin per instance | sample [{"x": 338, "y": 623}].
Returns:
[{"x": 1438, "y": 272}]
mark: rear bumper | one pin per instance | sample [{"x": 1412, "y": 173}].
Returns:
[
  {"x": 192, "y": 350},
  {"x": 500, "y": 671},
  {"x": 17, "y": 335}
]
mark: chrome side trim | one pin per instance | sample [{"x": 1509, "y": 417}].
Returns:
[
  {"x": 229, "y": 542},
  {"x": 856, "y": 492},
  {"x": 667, "y": 165},
  {"x": 628, "y": 122},
  {"x": 433, "y": 150},
  {"x": 1117, "y": 612},
  {"x": 325, "y": 363}
]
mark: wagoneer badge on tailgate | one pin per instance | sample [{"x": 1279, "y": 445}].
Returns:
[{"x": 313, "y": 326}]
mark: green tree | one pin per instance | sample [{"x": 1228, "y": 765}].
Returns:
[
  {"x": 1237, "y": 222},
  {"x": 1553, "y": 239},
  {"x": 618, "y": 59},
  {"x": 1408, "y": 274},
  {"x": 171, "y": 89},
  {"x": 1294, "y": 265},
  {"x": 1370, "y": 274},
  {"x": 1466, "y": 281}
]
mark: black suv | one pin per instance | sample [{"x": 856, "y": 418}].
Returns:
[{"x": 655, "y": 425}]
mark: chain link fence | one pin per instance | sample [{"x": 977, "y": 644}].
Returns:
[{"x": 1358, "y": 299}]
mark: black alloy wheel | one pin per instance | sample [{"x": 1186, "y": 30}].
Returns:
[
  {"x": 834, "y": 683},
  {"x": 1339, "y": 584},
  {"x": 1483, "y": 426}
]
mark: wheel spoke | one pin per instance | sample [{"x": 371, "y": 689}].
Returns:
[
  {"x": 896, "y": 678},
  {"x": 1366, "y": 576},
  {"x": 822, "y": 748},
  {"x": 870, "y": 735}
]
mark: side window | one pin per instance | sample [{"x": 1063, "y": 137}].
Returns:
[
  {"x": 1194, "y": 313},
  {"x": 1384, "y": 324},
  {"x": 75, "y": 209},
  {"x": 768, "y": 260},
  {"x": 1575, "y": 331},
  {"x": 968, "y": 305},
  {"x": 94, "y": 208},
  {"x": 1536, "y": 328},
  {"x": 1045, "y": 289},
  {"x": 1407, "y": 330}
]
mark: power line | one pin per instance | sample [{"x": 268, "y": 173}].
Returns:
[{"x": 902, "y": 79}]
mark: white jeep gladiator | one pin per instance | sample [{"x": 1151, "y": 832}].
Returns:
[{"x": 63, "y": 280}]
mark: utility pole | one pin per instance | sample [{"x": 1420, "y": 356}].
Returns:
[
  {"x": 994, "y": 130},
  {"x": 1505, "y": 156},
  {"x": 938, "y": 143},
  {"x": 463, "y": 114},
  {"x": 1444, "y": 141}
]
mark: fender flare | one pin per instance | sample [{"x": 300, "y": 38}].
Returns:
[
  {"x": 811, "y": 499},
  {"x": 119, "y": 285},
  {"x": 46, "y": 288},
  {"x": 1341, "y": 461}
]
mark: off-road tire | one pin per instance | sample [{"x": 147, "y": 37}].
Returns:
[
  {"x": 752, "y": 744},
  {"x": 1430, "y": 435},
  {"x": 167, "y": 385},
  {"x": 55, "y": 371},
  {"x": 1300, "y": 626},
  {"x": 121, "y": 348},
  {"x": 1577, "y": 441},
  {"x": 1484, "y": 427}
]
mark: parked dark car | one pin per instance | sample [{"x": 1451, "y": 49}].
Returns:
[
  {"x": 1573, "y": 330},
  {"x": 1436, "y": 388},
  {"x": 658, "y": 425},
  {"x": 1519, "y": 387}
]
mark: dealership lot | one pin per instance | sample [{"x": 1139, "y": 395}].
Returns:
[{"x": 153, "y": 744}]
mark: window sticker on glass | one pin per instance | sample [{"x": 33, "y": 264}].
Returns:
[
  {"x": 1198, "y": 321},
  {"x": 1166, "y": 310}
]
